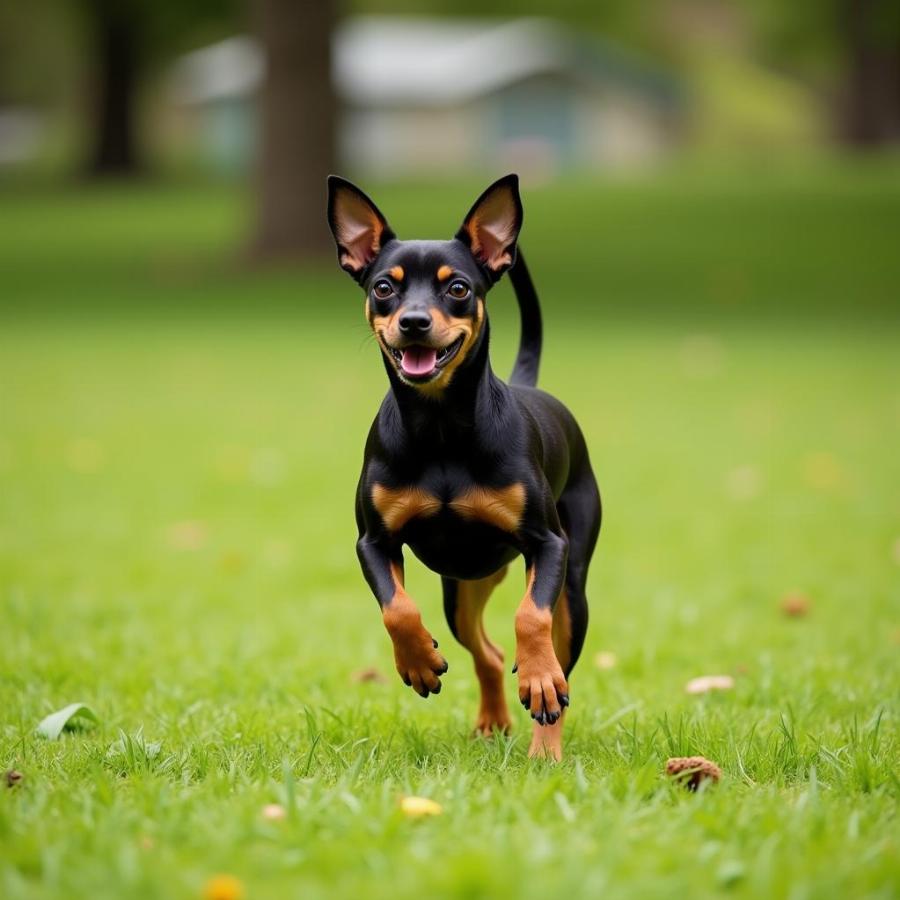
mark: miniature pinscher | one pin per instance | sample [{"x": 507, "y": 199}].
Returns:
[{"x": 467, "y": 470}]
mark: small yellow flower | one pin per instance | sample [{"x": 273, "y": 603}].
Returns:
[
  {"x": 223, "y": 887},
  {"x": 417, "y": 807}
]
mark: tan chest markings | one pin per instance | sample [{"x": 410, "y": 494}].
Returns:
[
  {"x": 500, "y": 507},
  {"x": 397, "y": 506}
]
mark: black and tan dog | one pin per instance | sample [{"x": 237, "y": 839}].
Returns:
[{"x": 466, "y": 470}]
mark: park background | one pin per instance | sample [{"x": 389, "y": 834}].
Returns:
[{"x": 712, "y": 196}]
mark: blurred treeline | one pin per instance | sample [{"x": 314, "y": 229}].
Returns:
[{"x": 97, "y": 67}]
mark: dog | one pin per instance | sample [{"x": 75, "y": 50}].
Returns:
[{"x": 464, "y": 469}]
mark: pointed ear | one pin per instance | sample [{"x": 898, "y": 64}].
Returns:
[
  {"x": 491, "y": 228},
  {"x": 360, "y": 230}
]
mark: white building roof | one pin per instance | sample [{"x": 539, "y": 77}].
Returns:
[
  {"x": 396, "y": 60},
  {"x": 440, "y": 61}
]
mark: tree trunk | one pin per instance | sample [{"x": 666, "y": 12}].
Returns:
[
  {"x": 115, "y": 33},
  {"x": 870, "y": 115},
  {"x": 297, "y": 109}
]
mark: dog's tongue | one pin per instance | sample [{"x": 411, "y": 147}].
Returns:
[{"x": 418, "y": 360}]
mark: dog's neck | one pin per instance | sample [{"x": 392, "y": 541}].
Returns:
[{"x": 469, "y": 402}]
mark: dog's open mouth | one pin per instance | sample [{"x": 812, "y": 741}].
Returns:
[{"x": 418, "y": 363}]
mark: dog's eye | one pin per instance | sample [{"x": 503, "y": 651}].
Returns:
[
  {"x": 383, "y": 289},
  {"x": 458, "y": 290}
]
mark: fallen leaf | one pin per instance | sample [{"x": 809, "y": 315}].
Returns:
[
  {"x": 605, "y": 659},
  {"x": 274, "y": 812},
  {"x": 53, "y": 725},
  {"x": 706, "y": 683},
  {"x": 12, "y": 778},
  {"x": 417, "y": 807},
  {"x": 692, "y": 770},
  {"x": 369, "y": 676},
  {"x": 795, "y": 605}
]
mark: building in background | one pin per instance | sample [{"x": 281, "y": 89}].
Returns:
[{"x": 435, "y": 95}]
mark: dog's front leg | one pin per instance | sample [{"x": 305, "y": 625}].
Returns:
[
  {"x": 415, "y": 650},
  {"x": 543, "y": 689}
]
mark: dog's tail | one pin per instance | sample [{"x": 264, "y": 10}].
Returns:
[{"x": 528, "y": 359}]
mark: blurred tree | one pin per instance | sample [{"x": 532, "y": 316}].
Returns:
[
  {"x": 297, "y": 127},
  {"x": 848, "y": 49},
  {"x": 126, "y": 38},
  {"x": 115, "y": 32},
  {"x": 870, "y": 102},
  {"x": 27, "y": 77}
]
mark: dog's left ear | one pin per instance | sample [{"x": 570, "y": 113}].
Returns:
[
  {"x": 360, "y": 230},
  {"x": 491, "y": 228}
]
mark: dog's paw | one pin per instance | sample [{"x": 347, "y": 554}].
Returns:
[
  {"x": 543, "y": 690},
  {"x": 415, "y": 651},
  {"x": 418, "y": 662},
  {"x": 490, "y": 721}
]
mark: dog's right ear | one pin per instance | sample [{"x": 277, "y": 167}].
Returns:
[
  {"x": 491, "y": 228},
  {"x": 360, "y": 230}
]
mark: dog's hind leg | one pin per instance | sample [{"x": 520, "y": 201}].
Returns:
[
  {"x": 464, "y": 603},
  {"x": 579, "y": 515}
]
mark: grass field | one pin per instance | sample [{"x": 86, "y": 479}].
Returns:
[{"x": 179, "y": 443}]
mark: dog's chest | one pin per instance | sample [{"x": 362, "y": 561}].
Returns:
[
  {"x": 459, "y": 526},
  {"x": 454, "y": 500}
]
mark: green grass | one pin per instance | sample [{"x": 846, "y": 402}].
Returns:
[{"x": 179, "y": 444}]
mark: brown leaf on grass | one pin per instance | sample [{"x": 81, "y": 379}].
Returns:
[
  {"x": 795, "y": 605},
  {"x": 369, "y": 676},
  {"x": 692, "y": 770},
  {"x": 706, "y": 683},
  {"x": 12, "y": 778}
]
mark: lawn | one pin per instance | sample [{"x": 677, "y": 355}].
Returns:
[{"x": 179, "y": 443}]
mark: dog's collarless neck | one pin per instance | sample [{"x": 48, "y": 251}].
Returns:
[{"x": 471, "y": 401}]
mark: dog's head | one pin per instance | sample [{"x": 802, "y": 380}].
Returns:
[{"x": 425, "y": 299}]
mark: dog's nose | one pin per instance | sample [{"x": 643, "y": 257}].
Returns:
[{"x": 415, "y": 322}]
